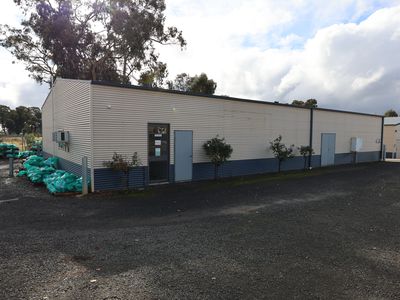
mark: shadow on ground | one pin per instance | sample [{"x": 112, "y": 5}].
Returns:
[{"x": 331, "y": 233}]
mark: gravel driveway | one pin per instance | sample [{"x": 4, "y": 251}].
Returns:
[{"x": 325, "y": 234}]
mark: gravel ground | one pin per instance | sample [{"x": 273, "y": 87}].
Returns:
[{"x": 324, "y": 234}]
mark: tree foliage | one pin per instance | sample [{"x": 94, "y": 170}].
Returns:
[
  {"x": 22, "y": 119},
  {"x": 113, "y": 40},
  {"x": 4, "y": 115},
  {"x": 281, "y": 151},
  {"x": 199, "y": 84},
  {"x": 154, "y": 77},
  {"x": 310, "y": 103},
  {"x": 391, "y": 113},
  {"x": 218, "y": 151}
]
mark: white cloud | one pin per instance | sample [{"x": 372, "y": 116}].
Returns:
[
  {"x": 343, "y": 53},
  {"x": 344, "y": 65},
  {"x": 16, "y": 88}
]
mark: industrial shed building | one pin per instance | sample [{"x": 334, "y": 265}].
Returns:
[
  {"x": 168, "y": 128},
  {"x": 391, "y": 137}
]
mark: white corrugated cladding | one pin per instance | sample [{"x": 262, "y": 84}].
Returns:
[
  {"x": 47, "y": 124},
  {"x": 389, "y": 137},
  {"x": 121, "y": 116},
  {"x": 346, "y": 126},
  {"x": 69, "y": 105}
]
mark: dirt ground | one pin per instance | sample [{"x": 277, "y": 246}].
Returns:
[{"x": 326, "y": 234}]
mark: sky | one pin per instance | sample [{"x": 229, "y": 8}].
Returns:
[{"x": 344, "y": 53}]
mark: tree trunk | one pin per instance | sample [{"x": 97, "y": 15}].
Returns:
[
  {"x": 305, "y": 162},
  {"x": 124, "y": 79},
  {"x": 215, "y": 172},
  {"x": 279, "y": 165}
]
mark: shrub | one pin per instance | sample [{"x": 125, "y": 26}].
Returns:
[
  {"x": 218, "y": 151},
  {"x": 281, "y": 152},
  {"x": 306, "y": 152},
  {"x": 121, "y": 163},
  {"x": 30, "y": 139}
]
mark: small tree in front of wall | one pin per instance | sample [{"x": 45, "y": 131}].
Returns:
[
  {"x": 281, "y": 152},
  {"x": 306, "y": 152},
  {"x": 218, "y": 151},
  {"x": 121, "y": 163}
]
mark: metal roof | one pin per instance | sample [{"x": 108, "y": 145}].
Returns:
[
  {"x": 392, "y": 120},
  {"x": 113, "y": 84}
]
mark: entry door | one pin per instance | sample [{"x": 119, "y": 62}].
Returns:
[
  {"x": 158, "y": 155},
  {"x": 328, "y": 141},
  {"x": 183, "y": 155}
]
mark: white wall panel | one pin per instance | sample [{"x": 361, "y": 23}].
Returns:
[
  {"x": 121, "y": 115},
  {"x": 346, "y": 126},
  {"x": 69, "y": 105}
]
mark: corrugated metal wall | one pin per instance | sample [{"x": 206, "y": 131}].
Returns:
[
  {"x": 105, "y": 119},
  {"x": 346, "y": 126},
  {"x": 121, "y": 116},
  {"x": 47, "y": 124},
  {"x": 389, "y": 137},
  {"x": 69, "y": 104},
  {"x": 392, "y": 139}
]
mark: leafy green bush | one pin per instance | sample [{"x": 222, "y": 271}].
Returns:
[
  {"x": 281, "y": 152},
  {"x": 306, "y": 152},
  {"x": 121, "y": 163},
  {"x": 218, "y": 151}
]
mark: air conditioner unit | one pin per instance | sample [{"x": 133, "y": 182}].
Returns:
[
  {"x": 62, "y": 136},
  {"x": 356, "y": 144}
]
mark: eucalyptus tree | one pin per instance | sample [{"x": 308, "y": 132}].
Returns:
[{"x": 112, "y": 40}]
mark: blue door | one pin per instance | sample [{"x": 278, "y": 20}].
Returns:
[
  {"x": 328, "y": 142},
  {"x": 183, "y": 155}
]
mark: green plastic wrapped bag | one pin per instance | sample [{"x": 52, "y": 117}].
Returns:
[
  {"x": 26, "y": 154},
  {"x": 22, "y": 173},
  {"x": 34, "y": 174},
  {"x": 33, "y": 161},
  {"x": 48, "y": 179},
  {"x": 51, "y": 162},
  {"x": 78, "y": 185},
  {"x": 61, "y": 182}
]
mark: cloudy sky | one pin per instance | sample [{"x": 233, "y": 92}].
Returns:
[{"x": 344, "y": 53}]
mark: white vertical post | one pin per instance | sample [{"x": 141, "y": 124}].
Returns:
[
  {"x": 84, "y": 175},
  {"x": 384, "y": 153}
]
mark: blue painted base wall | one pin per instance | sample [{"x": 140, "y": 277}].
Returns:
[{"x": 106, "y": 179}]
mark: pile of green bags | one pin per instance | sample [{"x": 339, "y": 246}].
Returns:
[
  {"x": 26, "y": 154},
  {"x": 39, "y": 170},
  {"x": 33, "y": 161},
  {"x": 8, "y": 150},
  {"x": 51, "y": 162},
  {"x": 61, "y": 182},
  {"x": 11, "y": 150}
]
